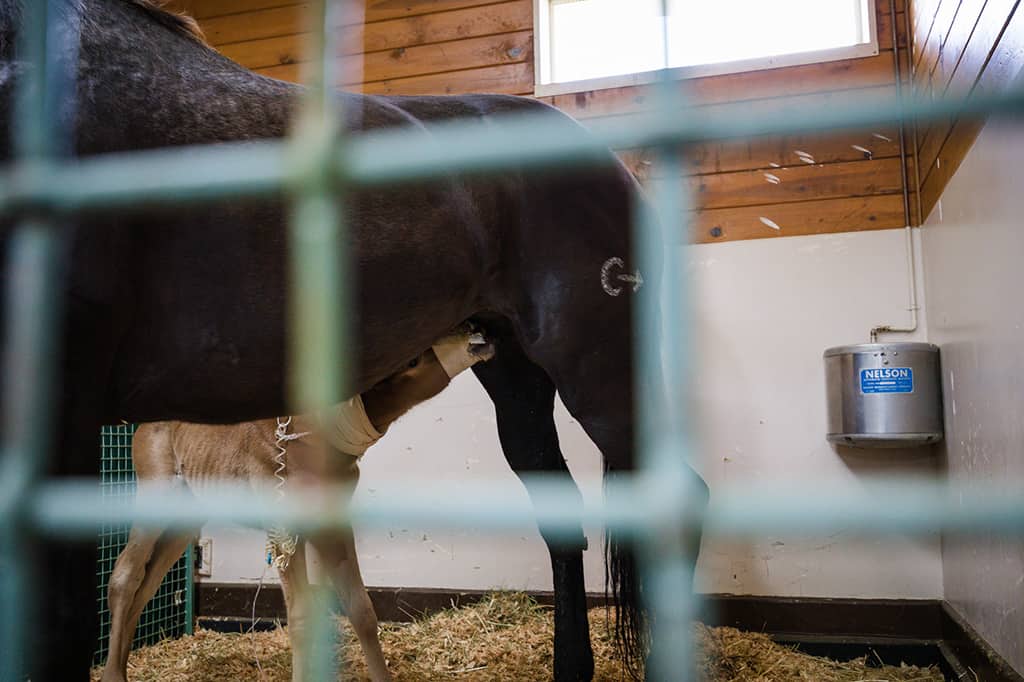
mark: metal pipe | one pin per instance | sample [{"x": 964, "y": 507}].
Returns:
[
  {"x": 908, "y": 233},
  {"x": 908, "y": 228}
]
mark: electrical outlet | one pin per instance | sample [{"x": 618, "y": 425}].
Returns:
[{"x": 204, "y": 557}]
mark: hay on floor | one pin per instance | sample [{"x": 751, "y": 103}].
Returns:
[{"x": 504, "y": 637}]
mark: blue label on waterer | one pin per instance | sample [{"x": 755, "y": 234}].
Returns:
[{"x": 887, "y": 380}]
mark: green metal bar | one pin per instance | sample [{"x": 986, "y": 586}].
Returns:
[
  {"x": 665, "y": 316},
  {"x": 120, "y": 181},
  {"x": 322, "y": 635},
  {"x": 384, "y": 157},
  {"x": 319, "y": 343},
  {"x": 127, "y": 180},
  {"x": 631, "y": 504},
  {"x": 319, "y": 273},
  {"x": 48, "y": 42},
  {"x": 33, "y": 308}
]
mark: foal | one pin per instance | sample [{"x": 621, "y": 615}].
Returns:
[{"x": 263, "y": 454}]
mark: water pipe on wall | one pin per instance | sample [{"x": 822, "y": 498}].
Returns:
[{"x": 908, "y": 230}]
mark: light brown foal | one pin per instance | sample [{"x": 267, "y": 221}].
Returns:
[{"x": 194, "y": 455}]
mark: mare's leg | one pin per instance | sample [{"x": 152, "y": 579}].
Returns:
[
  {"x": 338, "y": 552},
  {"x": 65, "y": 575},
  {"x": 523, "y": 398},
  {"x": 594, "y": 377},
  {"x": 65, "y": 570}
]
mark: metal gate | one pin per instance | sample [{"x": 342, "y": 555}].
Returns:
[
  {"x": 651, "y": 505},
  {"x": 169, "y": 612}
]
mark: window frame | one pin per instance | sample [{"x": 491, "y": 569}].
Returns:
[{"x": 542, "y": 57}]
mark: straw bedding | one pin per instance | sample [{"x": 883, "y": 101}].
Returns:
[{"x": 506, "y": 636}]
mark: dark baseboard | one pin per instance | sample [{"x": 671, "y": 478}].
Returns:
[
  {"x": 919, "y": 619},
  {"x": 920, "y": 632},
  {"x": 974, "y": 654},
  {"x": 397, "y": 604}
]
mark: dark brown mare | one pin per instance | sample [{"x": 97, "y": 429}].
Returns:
[{"x": 182, "y": 315}]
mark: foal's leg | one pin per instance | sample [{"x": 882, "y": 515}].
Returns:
[
  {"x": 295, "y": 586},
  {"x": 149, "y": 553},
  {"x": 137, "y": 576},
  {"x": 523, "y": 398},
  {"x": 338, "y": 552},
  {"x": 125, "y": 580}
]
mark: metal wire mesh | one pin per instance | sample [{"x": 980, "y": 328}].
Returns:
[{"x": 169, "y": 612}]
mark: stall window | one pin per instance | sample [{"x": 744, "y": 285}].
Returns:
[{"x": 593, "y": 44}]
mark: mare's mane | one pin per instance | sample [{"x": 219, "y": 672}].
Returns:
[{"x": 179, "y": 22}]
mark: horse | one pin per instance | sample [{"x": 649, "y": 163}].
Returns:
[
  {"x": 266, "y": 456},
  {"x": 182, "y": 315}
]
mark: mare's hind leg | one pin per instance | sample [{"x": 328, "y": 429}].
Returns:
[
  {"x": 523, "y": 398},
  {"x": 595, "y": 381},
  {"x": 65, "y": 570},
  {"x": 65, "y": 611}
]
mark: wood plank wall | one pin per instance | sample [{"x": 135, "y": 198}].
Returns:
[
  {"x": 752, "y": 188},
  {"x": 410, "y": 47},
  {"x": 960, "y": 48}
]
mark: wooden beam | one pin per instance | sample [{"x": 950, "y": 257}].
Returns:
[
  {"x": 504, "y": 17},
  {"x": 412, "y": 61},
  {"x": 508, "y": 79},
  {"x": 797, "y": 183},
  {"x": 205, "y": 9},
  {"x": 382, "y": 10},
  {"x": 956, "y": 42},
  {"x": 768, "y": 152},
  {"x": 264, "y": 52},
  {"x": 845, "y": 74},
  {"x": 375, "y": 10},
  {"x": 824, "y": 216},
  {"x": 263, "y": 23},
  {"x": 955, "y": 147},
  {"x": 940, "y": 154},
  {"x": 776, "y": 106},
  {"x": 503, "y": 48},
  {"x": 979, "y": 47},
  {"x": 934, "y": 45},
  {"x": 922, "y": 15},
  {"x": 884, "y": 27}
]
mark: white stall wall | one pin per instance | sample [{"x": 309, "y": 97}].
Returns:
[
  {"x": 973, "y": 251},
  {"x": 765, "y": 311}
]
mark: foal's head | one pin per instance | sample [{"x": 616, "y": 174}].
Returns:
[{"x": 425, "y": 376}]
